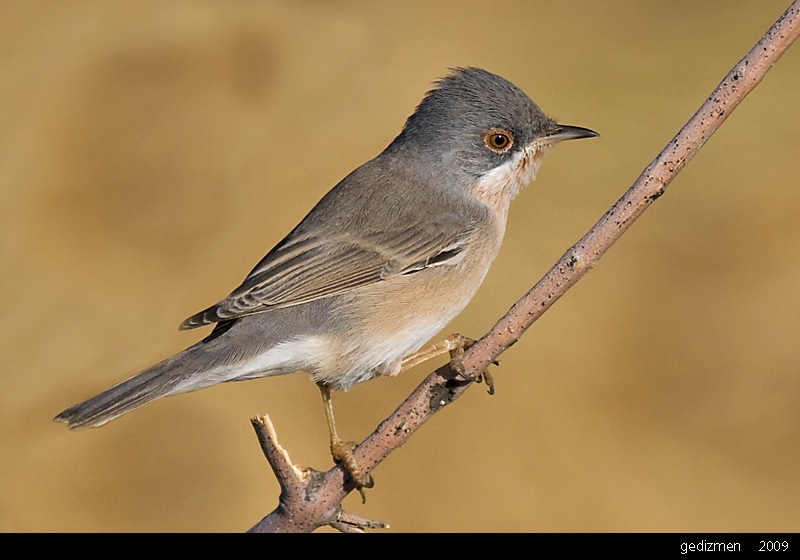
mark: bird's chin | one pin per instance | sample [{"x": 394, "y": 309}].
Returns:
[{"x": 498, "y": 187}]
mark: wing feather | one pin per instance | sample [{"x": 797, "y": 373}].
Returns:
[{"x": 305, "y": 267}]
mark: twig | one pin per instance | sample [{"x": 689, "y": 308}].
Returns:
[{"x": 314, "y": 501}]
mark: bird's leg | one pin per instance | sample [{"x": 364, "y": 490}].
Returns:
[
  {"x": 449, "y": 344},
  {"x": 342, "y": 452},
  {"x": 455, "y": 344}
]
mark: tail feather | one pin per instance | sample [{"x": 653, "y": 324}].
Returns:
[{"x": 123, "y": 397}]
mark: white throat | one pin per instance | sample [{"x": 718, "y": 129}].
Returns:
[{"x": 498, "y": 187}]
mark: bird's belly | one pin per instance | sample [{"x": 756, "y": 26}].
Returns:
[{"x": 396, "y": 321}]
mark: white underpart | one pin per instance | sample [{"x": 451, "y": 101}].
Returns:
[
  {"x": 383, "y": 355},
  {"x": 306, "y": 353},
  {"x": 341, "y": 365}
]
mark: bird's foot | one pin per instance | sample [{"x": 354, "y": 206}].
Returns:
[
  {"x": 342, "y": 453},
  {"x": 456, "y": 345},
  {"x": 457, "y": 363}
]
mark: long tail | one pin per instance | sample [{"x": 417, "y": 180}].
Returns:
[{"x": 150, "y": 384}]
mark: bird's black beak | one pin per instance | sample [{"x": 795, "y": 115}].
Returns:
[{"x": 563, "y": 132}]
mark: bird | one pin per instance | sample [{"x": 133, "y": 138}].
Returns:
[{"x": 379, "y": 266}]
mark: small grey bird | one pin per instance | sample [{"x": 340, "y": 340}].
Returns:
[{"x": 380, "y": 265}]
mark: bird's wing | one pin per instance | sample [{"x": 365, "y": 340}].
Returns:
[{"x": 303, "y": 268}]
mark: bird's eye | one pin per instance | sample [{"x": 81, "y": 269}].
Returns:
[{"x": 498, "y": 140}]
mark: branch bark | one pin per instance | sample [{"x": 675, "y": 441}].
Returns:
[{"x": 310, "y": 499}]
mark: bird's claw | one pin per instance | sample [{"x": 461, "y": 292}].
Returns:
[
  {"x": 342, "y": 453},
  {"x": 457, "y": 364}
]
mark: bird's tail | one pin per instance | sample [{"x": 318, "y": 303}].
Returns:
[{"x": 150, "y": 384}]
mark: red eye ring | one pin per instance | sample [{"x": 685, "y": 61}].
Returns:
[{"x": 498, "y": 140}]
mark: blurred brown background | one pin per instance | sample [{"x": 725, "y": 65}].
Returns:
[{"x": 152, "y": 152}]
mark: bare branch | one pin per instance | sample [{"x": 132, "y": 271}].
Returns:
[{"x": 312, "y": 499}]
